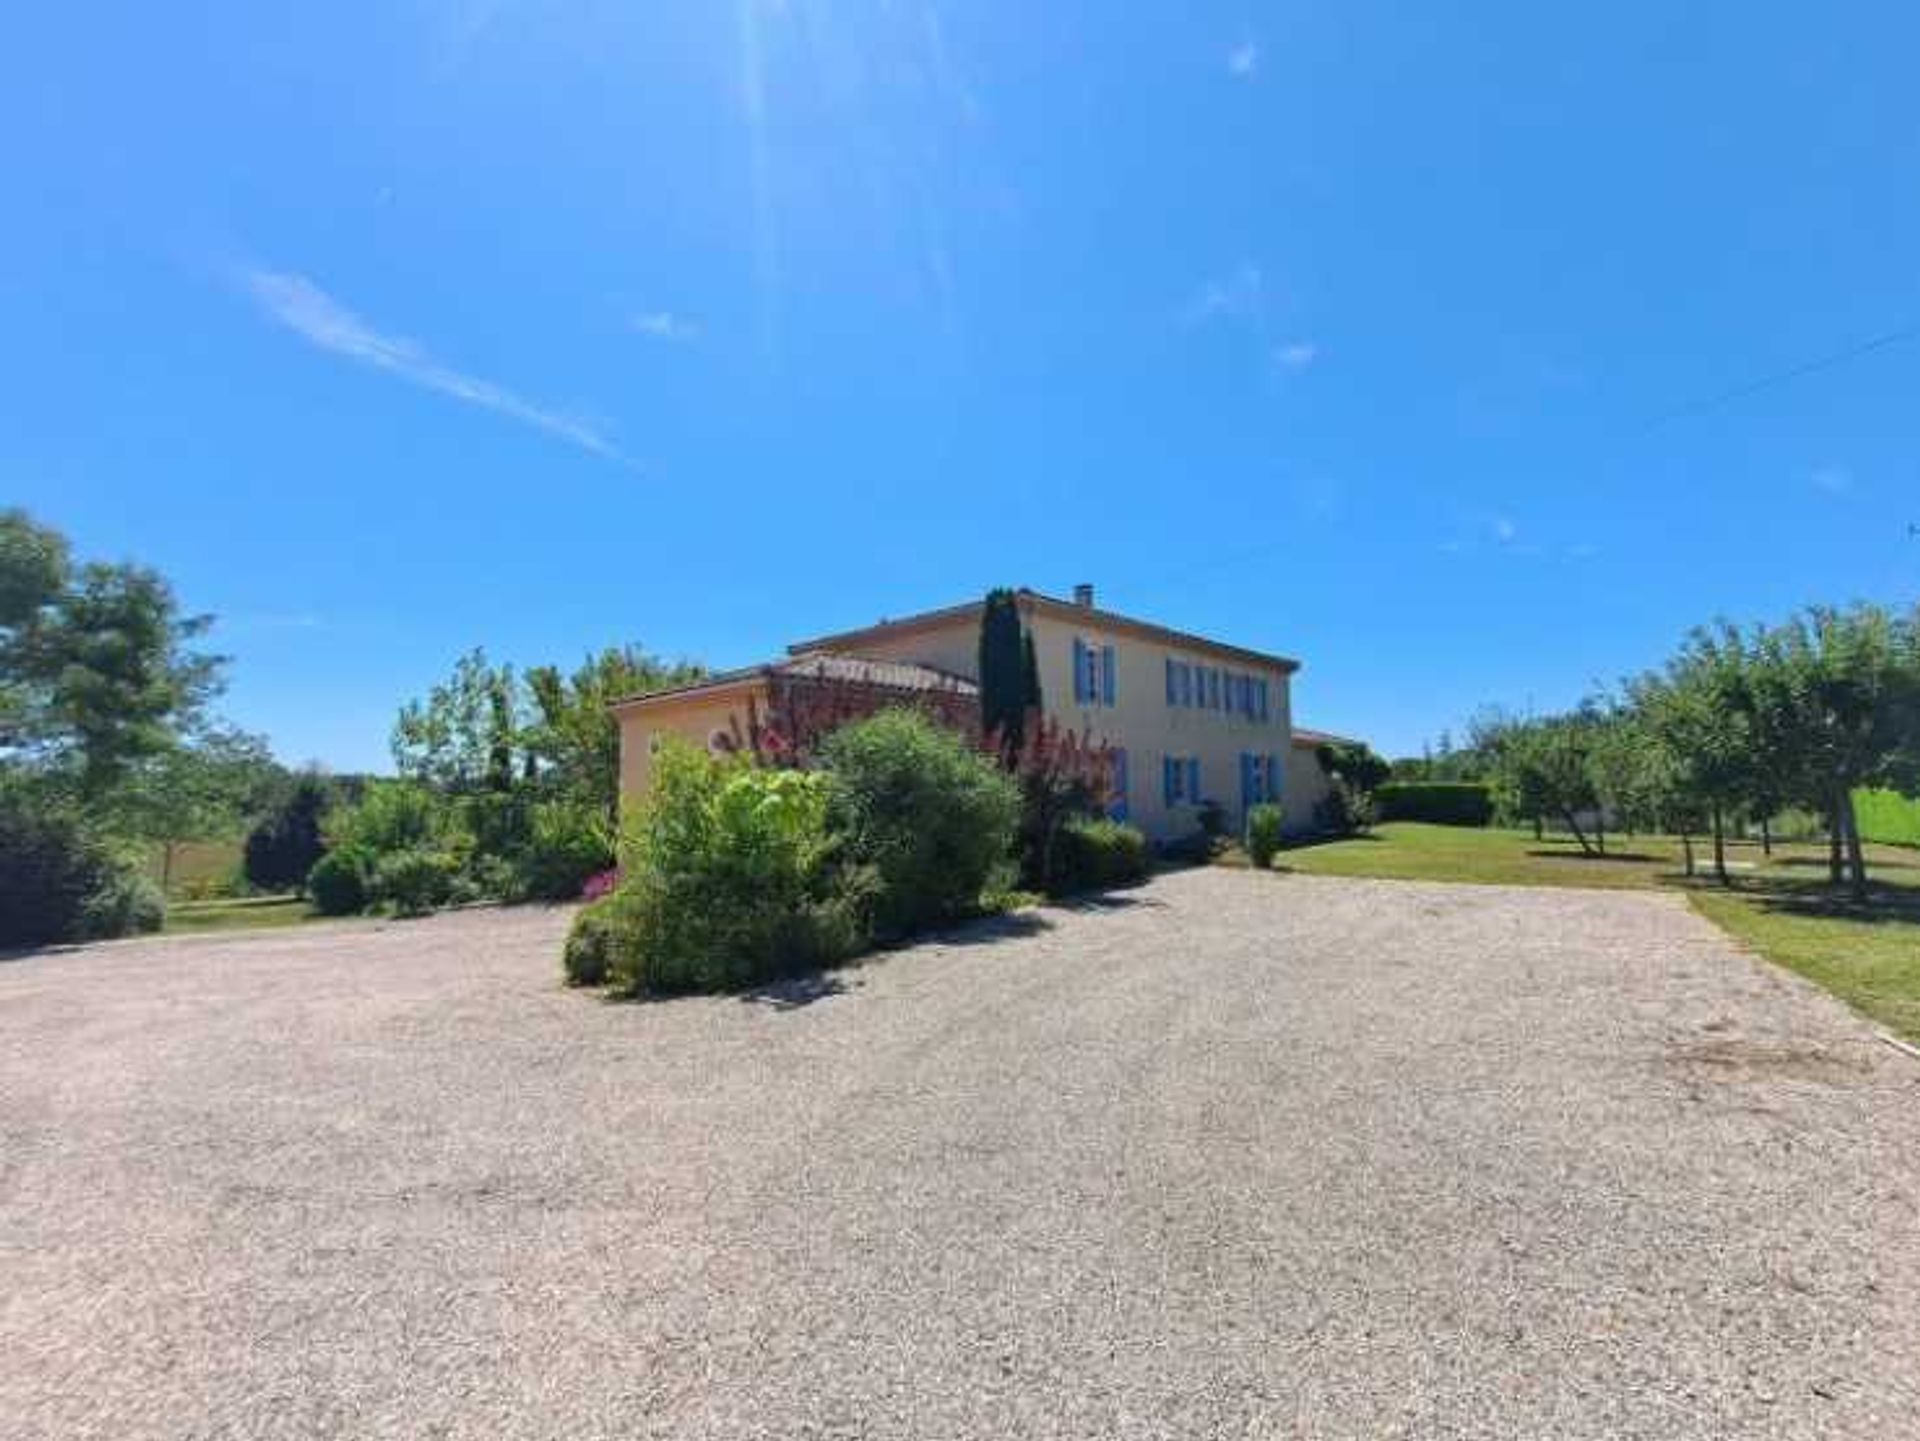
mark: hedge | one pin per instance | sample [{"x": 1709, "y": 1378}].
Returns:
[
  {"x": 1445, "y": 803},
  {"x": 1887, "y": 817}
]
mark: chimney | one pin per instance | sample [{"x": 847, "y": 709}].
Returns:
[{"x": 1083, "y": 596}]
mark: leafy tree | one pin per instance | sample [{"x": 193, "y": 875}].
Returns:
[
  {"x": 1355, "y": 773},
  {"x": 463, "y": 736},
  {"x": 1545, "y": 767},
  {"x": 97, "y": 670},
  {"x": 573, "y": 741},
  {"x": 283, "y": 848},
  {"x": 189, "y": 792},
  {"x": 1838, "y": 697}
]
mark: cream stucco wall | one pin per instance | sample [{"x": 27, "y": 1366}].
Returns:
[
  {"x": 1307, "y": 786},
  {"x": 693, "y": 719}
]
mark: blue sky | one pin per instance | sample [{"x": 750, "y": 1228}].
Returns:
[{"x": 1350, "y": 331}]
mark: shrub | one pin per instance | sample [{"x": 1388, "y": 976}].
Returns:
[
  {"x": 598, "y": 931},
  {"x": 413, "y": 882},
  {"x": 566, "y": 843},
  {"x": 338, "y": 882},
  {"x": 1345, "y": 809},
  {"x": 1265, "y": 823},
  {"x": 729, "y": 882},
  {"x": 1095, "y": 855},
  {"x": 600, "y": 883},
  {"x": 1445, "y": 803},
  {"x": 286, "y": 843},
  {"x": 60, "y": 879},
  {"x": 932, "y": 817},
  {"x": 126, "y": 903}
]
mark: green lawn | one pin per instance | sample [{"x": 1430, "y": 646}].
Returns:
[
  {"x": 247, "y": 913},
  {"x": 1780, "y": 907}
]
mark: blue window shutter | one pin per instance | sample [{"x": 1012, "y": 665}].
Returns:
[
  {"x": 1166, "y": 780},
  {"x": 1117, "y": 803},
  {"x": 1173, "y": 695},
  {"x": 1079, "y": 670},
  {"x": 1186, "y": 684},
  {"x": 1193, "y": 779},
  {"x": 1106, "y": 675}
]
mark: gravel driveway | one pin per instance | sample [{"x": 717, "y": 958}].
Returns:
[{"x": 1236, "y": 1155}]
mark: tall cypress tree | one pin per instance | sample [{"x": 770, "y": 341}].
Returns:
[
  {"x": 1004, "y": 677},
  {"x": 1029, "y": 673}
]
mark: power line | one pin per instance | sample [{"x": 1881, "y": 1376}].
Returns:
[{"x": 1781, "y": 377}]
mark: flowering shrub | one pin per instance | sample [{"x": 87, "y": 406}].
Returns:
[{"x": 600, "y": 883}]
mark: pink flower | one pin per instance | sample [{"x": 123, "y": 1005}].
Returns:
[{"x": 599, "y": 884}]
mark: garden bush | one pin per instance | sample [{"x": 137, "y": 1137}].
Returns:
[
  {"x": 413, "y": 882},
  {"x": 1264, "y": 828},
  {"x": 1445, "y": 803},
  {"x": 932, "y": 817},
  {"x": 61, "y": 880},
  {"x": 338, "y": 882},
  {"x": 1095, "y": 855},
  {"x": 731, "y": 880},
  {"x": 566, "y": 843},
  {"x": 596, "y": 937},
  {"x": 126, "y": 903}
]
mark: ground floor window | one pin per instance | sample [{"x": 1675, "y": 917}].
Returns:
[{"x": 1180, "y": 780}]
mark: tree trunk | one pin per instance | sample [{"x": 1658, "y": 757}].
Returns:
[
  {"x": 1766, "y": 837},
  {"x": 1578, "y": 834},
  {"x": 1836, "y": 840},
  {"x": 1539, "y": 828},
  {"x": 1719, "y": 847},
  {"x": 1600, "y": 830},
  {"x": 166, "y": 868},
  {"x": 1686, "y": 846},
  {"x": 1856, "y": 856}
]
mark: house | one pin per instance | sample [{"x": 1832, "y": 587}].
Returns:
[{"x": 1190, "y": 719}]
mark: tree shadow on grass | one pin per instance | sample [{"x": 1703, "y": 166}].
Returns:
[
  {"x": 1638, "y": 858},
  {"x": 1812, "y": 899}
]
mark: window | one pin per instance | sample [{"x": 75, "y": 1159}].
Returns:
[
  {"x": 1260, "y": 778},
  {"x": 1213, "y": 688},
  {"x": 1095, "y": 673},
  {"x": 1117, "y": 802},
  {"x": 1180, "y": 780}
]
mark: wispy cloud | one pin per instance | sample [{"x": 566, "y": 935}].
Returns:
[
  {"x": 665, "y": 325},
  {"x": 316, "y": 317},
  {"x": 1296, "y": 354},
  {"x": 1243, "y": 61},
  {"x": 1504, "y": 530},
  {"x": 1241, "y": 294},
  {"x": 1833, "y": 479}
]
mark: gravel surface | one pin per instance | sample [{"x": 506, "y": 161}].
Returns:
[{"x": 1236, "y": 1155}]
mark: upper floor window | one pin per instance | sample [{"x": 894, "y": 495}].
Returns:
[
  {"x": 1095, "y": 674},
  {"x": 1205, "y": 687}
]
